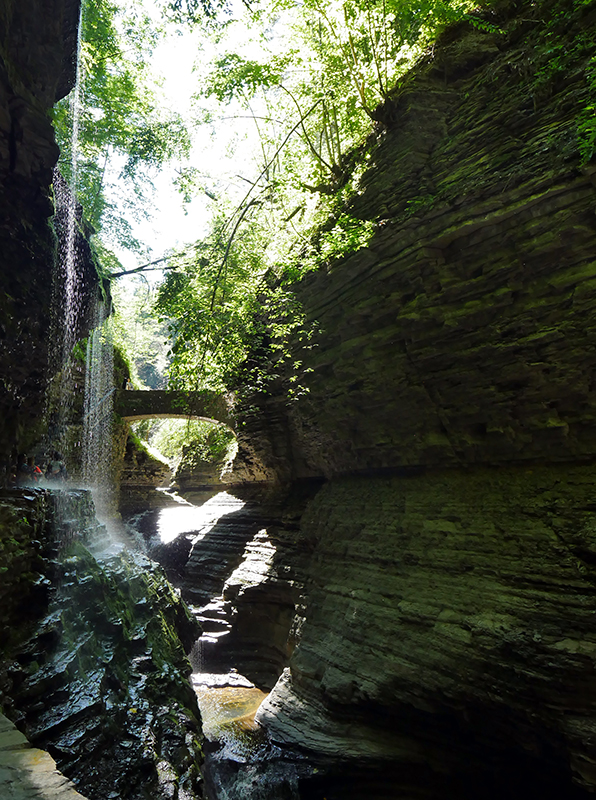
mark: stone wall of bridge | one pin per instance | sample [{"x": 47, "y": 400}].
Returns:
[{"x": 155, "y": 404}]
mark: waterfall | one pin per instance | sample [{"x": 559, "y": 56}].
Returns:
[
  {"x": 68, "y": 289},
  {"x": 99, "y": 404},
  {"x": 89, "y": 456},
  {"x": 72, "y": 282}
]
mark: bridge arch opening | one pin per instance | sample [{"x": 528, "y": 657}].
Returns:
[
  {"x": 135, "y": 405},
  {"x": 199, "y": 450},
  {"x": 192, "y": 431}
]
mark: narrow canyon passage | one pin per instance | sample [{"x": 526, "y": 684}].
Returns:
[
  {"x": 297, "y": 399},
  {"x": 242, "y": 566}
]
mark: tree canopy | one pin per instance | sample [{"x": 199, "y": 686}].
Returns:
[
  {"x": 123, "y": 132},
  {"x": 309, "y": 81}
]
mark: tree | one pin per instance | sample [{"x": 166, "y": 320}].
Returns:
[
  {"x": 312, "y": 102},
  {"x": 209, "y": 300},
  {"x": 121, "y": 131},
  {"x": 310, "y": 97},
  {"x": 139, "y": 334}
]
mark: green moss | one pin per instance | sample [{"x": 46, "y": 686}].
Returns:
[
  {"x": 129, "y": 609},
  {"x": 122, "y": 366}
]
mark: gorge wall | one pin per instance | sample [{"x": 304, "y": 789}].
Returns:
[
  {"x": 37, "y": 67},
  {"x": 464, "y": 332},
  {"x": 444, "y": 644}
]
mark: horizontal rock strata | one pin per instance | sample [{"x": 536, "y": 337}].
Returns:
[
  {"x": 236, "y": 558},
  {"x": 464, "y": 332},
  {"x": 140, "y": 474},
  {"x": 449, "y": 629}
]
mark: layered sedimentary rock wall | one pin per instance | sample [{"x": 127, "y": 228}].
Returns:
[
  {"x": 445, "y": 647},
  {"x": 448, "y": 629},
  {"x": 464, "y": 333},
  {"x": 37, "y": 67},
  {"x": 141, "y": 474}
]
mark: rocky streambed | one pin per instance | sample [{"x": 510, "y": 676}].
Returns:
[{"x": 422, "y": 636}]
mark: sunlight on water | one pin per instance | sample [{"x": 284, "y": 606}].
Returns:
[
  {"x": 228, "y": 713},
  {"x": 187, "y": 518}
]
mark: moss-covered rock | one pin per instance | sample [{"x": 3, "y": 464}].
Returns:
[
  {"x": 464, "y": 333},
  {"x": 98, "y": 676}
]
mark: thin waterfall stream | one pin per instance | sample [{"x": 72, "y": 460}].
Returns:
[
  {"x": 68, "y": 289},
  {"x": 98, "y": 458},
  {"x": 94, "y": 448}
]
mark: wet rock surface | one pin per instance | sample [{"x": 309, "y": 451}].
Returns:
[
  {"x": 440, "y": 645},
  {"x": 442, "y": 641},
  {"x": 235, "y": 557},
  {"x": 102, "y": 680},
  {"x": 24, "y": 586}
]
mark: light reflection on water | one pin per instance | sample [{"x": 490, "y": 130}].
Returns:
[
  {"x": 228, "y": 713},
  {"x": 199, "y": 520},
  {"x": 228, "y": 702}
]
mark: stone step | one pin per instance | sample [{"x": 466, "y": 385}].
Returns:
[
  {"x": 209, "y": 624},
  {"x": 27, "y": 773}
]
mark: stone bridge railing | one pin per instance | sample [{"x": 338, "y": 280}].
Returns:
[{"x": 135, "y": 405}]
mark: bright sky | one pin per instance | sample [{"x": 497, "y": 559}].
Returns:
[{"x": 221, "y": 152}]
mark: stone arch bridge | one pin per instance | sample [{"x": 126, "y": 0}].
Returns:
[{"x": 133, "y": 405}]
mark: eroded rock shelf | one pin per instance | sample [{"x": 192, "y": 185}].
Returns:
[{"x": 27, "y": 773}]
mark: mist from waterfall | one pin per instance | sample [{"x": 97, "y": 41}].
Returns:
[{"x": 97, "y": 457}]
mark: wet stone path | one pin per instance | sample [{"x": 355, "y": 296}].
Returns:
[{"x": 27, "y": 773}]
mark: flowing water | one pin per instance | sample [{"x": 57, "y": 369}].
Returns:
[
  {"x": 228, "y": 702},
  {"x": 94, "y": 448},
  {"x": 68, "y": 290},
  {"x": 98, "y": 457}
]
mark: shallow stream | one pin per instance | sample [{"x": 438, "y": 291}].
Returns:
[{"x": 239, "y": 757}]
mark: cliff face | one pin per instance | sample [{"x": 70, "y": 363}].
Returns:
[
  {"x": 37, "y": 49},
  {"x": 464, "y": 333},
  {"x": 447, "y": 632},
  {"x": 92, "y": 652},
  {"x": 444, "y": 647}
]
